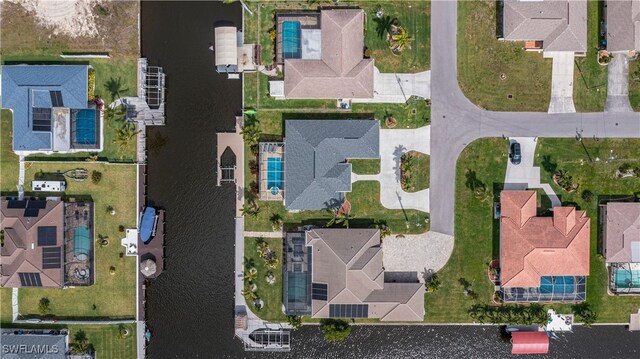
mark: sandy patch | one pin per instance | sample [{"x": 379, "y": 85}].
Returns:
[
  {"x": 420, "y": 253},
  {"x": 73, "y": 18}
]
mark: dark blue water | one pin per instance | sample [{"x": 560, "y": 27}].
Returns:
[{"x": 190, "y": 307}]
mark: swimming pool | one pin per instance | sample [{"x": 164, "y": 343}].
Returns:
[
  {"x": 557, "y": 285},
  {"x": 274, "y": 173},
  {"x": 82, "y": 243},
  {"x": 85, "y": 127},
  {"x": 291, "y": 46},
  {"x": 626, "y": 278}
]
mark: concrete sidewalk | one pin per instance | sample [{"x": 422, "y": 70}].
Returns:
[
  {"x": 525, "y": 175},
  {"x": 398, "y": 87},
  {"x": 561, "y": 82}
]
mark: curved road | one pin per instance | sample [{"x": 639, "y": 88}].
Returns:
[{"x": 456, "y": 121}]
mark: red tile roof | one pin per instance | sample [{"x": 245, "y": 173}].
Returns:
[{"x": 532, "y": 246}]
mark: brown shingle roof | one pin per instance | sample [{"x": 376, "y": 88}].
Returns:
[
  {"x": 623, "y": 227},
  {"x": 342, "y": 72},
  {"x": 560, "y": 25},
  {"x": 531, "y": 247},
  {"x": 349, "y": 261},
  {"x": 21, "y": 253}
]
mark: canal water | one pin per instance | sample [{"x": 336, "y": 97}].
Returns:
[{"x": 190, "y": 307}]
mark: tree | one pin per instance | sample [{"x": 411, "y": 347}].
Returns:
[
  {"x": 433, "y": 284},
  {"x": 339, "y": 218},
  {"x": 585, "y": 314},
  {"x": 248, "y": 294},
  {"x": 251, "y": 211},
  {"x": 44, "y": 306},
  {"x": 400, "y": 40},
  {"x": 125, "y": 134},
  {"x": 272, "y": 262},
  {"x": 250, "y": 274},
  {"x": 295, "y": 321},
  {"x": 335, "y": 330},
  {"x": 276, "y": 221},
  {"x": 115, "y": 87},
  {"x": 385, "y": 231},
  {"x": 81, "y": 344},
  {"x": 587, "y": 195},
  {"x": 383, "y": 24},
  {"x": 262, "y": 248},
  {"x": 96, "y": 176}
]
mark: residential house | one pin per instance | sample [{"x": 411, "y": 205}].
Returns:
[
  {"x": 542, "y": 259},
  {"x": 338, "y": 273},
  {"x": 623, "y": 25},
  {"x": 622, "y": 246},
  {"x": 316, "y": 175},
  {"x": 37, "y": 343},
  {"x": 547, "y": 25},
  {"x": 51, "y": 108},
  {"x": 323, "y": 55}
]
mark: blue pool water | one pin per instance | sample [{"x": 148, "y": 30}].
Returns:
[
  {"x": 291, "y": 47},
  {"x": 81, "y": 243},
  {"x": 557, "y": 285},
  {"x": 274, "y": 172},
  {"x": 85, "y": 133},
  {"x": 625, "y": 277}
]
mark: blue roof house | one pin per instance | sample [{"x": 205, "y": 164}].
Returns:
[{"x": 51, "y": 111}]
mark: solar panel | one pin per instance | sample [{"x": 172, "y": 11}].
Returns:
[
  {"x": 349, "y": 310},
  {"x": 17, "y": 204},
  {"x": 37, "y": 203},
  {"x": 51, "y": 258},
  {"x": 56, "y": 98},
  {"x": 319, "y": 291},
  {"x": 30, "y": 279},
  {"x": 31, "y": 212},
  {"x": 47, "y": 236},
  {"x": 41, "y": 119}
]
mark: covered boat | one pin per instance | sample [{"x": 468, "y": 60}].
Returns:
[{"x": 148, "y": 224}]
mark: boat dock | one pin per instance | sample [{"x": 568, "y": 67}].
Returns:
[{"x": 228, "y": 172}]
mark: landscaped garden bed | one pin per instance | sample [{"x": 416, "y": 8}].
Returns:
[
  {"x": 414, "y": 171},
  {"x": 263, "y": 277}
]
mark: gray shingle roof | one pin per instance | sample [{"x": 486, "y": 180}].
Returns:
[
  {"x": 560, "y": 25},
  {"x": 31, "y": 346},
  {"x": 25, "y": 87},
  {"x": 623, "y": 25},
  {"x": 316, "y": 175}
]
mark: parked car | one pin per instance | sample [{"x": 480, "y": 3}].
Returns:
[{"x": 515, "y": 154}]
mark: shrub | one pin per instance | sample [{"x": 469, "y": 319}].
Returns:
[
  {"x": 43, "y": 306},
  {"x": 585, "y": 314},
  {"x": 91, "y": 84},
  {"x": 624, "y": 167},
  {"x": 587, "y": 195},
  {"x": 272, "y": 34},
  {"x": 295, "y": 321},
  {"x": 433, "y": 284},
  {"x": 120, "y": 228},
  {"x": 96, "y": 177},
  {"x": 335, "y": 330}
]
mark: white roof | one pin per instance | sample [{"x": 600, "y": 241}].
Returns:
[
  {"x": 226, "y": 45},
  {"x": 276, "y": 88},
  {"x": 311, "y": 40}
]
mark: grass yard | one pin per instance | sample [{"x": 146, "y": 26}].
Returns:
[
  {"x": 599, "y": 178},
  {"x": 9, "y": 161},
  {"x": 634, "y": 85},
  {"x": 271, "y": 294},
  {"x": 418, "y": 174},
  {"x": 112, "y": 296},
  {"x": 5, "y": 306},
  {"x": 106, "y": 340},
  {"x": 475, "y": 234},
  {"x": 482, "y": 60},
  {"x": 414, "y": 16},
  {"x": 590, "y": 79},
  {"x": 365, "y": 167},
  {"x": 412, "y": 114}
]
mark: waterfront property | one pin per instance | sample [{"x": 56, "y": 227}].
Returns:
[
  {"x": 622, "y": 246},
  {"x": 547, "y": 25},
  {"x": 623, "y": 25},
  {"x": 317, "y": 176},
  {"x": 323, "y": 55},
  {"x": 36, "y": 343},
  {"x": 271, "y": 175},
  {"x": 338, "y": 273},
  {"x": 542, "y": 259},
  {"x": 46, "y": 243},
  {"x": 51, "y": 108}
]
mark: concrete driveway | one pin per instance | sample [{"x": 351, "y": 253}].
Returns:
[
  {"x": 525, "y": 175},
  {"x": 618, "y": 84},
  {"x": 561, "y": 82},
  {"x": 398, "y": 87}
]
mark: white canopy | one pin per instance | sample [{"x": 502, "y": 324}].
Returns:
[{"x": 226, "y": 45}]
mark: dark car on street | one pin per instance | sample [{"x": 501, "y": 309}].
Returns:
[{"x": 514, "y": 153}]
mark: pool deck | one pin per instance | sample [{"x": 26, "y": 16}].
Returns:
[
  {"x": 270, "y": 150},
  {"x": 308, "y": 20}
]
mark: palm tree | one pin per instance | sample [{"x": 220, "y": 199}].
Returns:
[
  {"x": 385, "y": 231},
  {"x": 383, "y": 24},
  {"x": 80, "y": 345},
  {"x": 250, "y": 275},
  {"x": 262, "y": 248},
  {"x": 115, "y": 87},
  {"x": 400, "y": 40},
  {"x": 248, "y": 294},
  {"x": 276, "y": 221},
  {"x": 344, "y": 219},
  {"x": 251, "y": 211},
  {"x": 251, "y": 134},
  {"x": 125, "y": 134},
  {"x": 272, "y": 262},
  {"x": 249, "y": 262}
]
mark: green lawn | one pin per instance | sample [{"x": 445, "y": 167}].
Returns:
[
  {"x": 111, "y": 295},
  {"x": 9, "y": 161},
  {"x": 475, "y": 234},
  {"x": 634, "y": 85},
  {"x": 419, "y": 174},
  {"x": 106, "y": 341},
  {"x": 365, "y": 167},
  {"x": 482, "y": 60},
  {"x": 5, "y": 306},
  {"x": 599, "y": 178},
  {"x": 271, "y": 294},
  {"x": 590, "y": 79},
  {"x": 415, "y": 17},
  {"x": 412, "y": 114}
]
